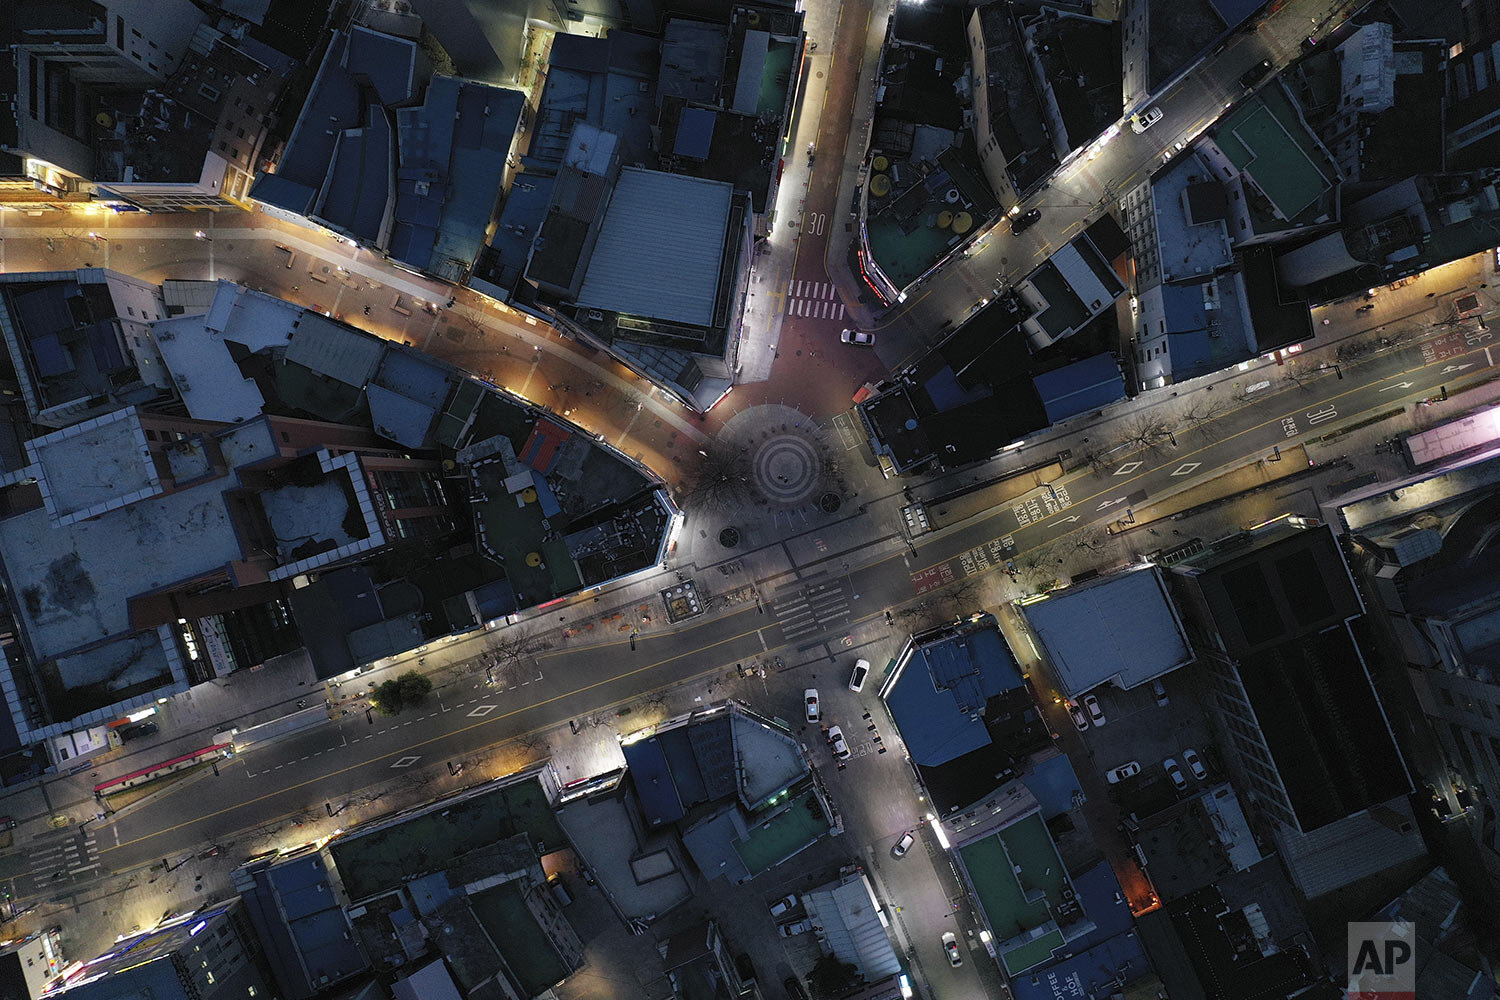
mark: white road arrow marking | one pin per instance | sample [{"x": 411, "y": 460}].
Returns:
[
  {"x": 1067, "y": 520},
  {"x": 1455, "y": 368},
  {"x": 1185, "y": 468},
  {"x": 1110, "y": 503},
  {"x": 1398, "y": 385}
]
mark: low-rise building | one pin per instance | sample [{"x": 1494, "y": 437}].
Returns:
[
  {"x": 209, "y": 953},
  {"x": 303, "y": 459},
  {"x": 292, "y": 904},
  {"x": 737, "y": 821},
  {"x": 394, "y": 159}
]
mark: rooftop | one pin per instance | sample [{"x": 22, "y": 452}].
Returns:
[
  {"x": 1020, "y": 882},
  {"x": 91, "y": 467},
  {"x": 453, "y": 153},
  {"x": 1120, "y": 629},
  {"x": 851, "y": 928},
  {"x": 1266, "y": 139},
  {"x": 527, "y": 949},
  {"x": 380, "y": 857},
  {"x": 1079, "y": 59},
  {"x": 608, "y": 82},
  {"x": 297, "y": 915},
  {"x": 1015, "y": 109},
  {"x": 1227, "y": 952},
  {"x": 659, "y": 224},
  {"x": 935, "y": 202}
]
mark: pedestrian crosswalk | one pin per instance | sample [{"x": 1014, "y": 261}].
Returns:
[
  {"x": 811, "y": 608},
  {"x": 814, "y": 299},
  {"x": 57, "y": 860}
]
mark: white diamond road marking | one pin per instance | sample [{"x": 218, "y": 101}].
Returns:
[
  {"x": 406, "y": 761},
  {"x": 482, "y": 710},
  {"x": 1185, "y": 468},
  {"x": 1128, "y": 468}
]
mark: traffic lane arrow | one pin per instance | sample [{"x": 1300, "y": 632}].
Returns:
[
  {"x": 1398, "y": 385},
  {"x": 1069, "y": 519},
  {"x": 1455, "y": 368}
]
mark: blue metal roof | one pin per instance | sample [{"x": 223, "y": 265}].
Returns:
[
  {"x": 1080, "y": 387},
  {"x": 1104, "y": 904},
  {"x": 358, "y": 187},
  {"x": 1092, "y": 973},
  {"x": 653, "y": 782},
  {"x": 937, "y": 699},
  {"x": 384, "y": 62},
  {"x": 1054, "y": 784},
  {"x": 695, "y": 133}
]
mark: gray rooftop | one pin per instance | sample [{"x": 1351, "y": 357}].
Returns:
[
  {"x": 193, "y": 349},
  {"x": 1121, "y": 628},
  {"x": 74, "y": 582},
  {"x": 335, "y": 350},
  {"x": 660, "y": 224},
  {"x": 88, "y": 468}
]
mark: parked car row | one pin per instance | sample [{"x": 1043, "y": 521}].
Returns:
[{"x": 1174, "y": 771}]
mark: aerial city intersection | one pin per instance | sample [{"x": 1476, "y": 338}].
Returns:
[{"x": 799, "y": 500}]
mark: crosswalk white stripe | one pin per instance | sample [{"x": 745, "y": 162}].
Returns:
[
  {"x": 841, "y": 310},
  {"x": 832, "y": 290}
]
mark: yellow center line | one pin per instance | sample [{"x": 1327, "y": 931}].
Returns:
[{"x": 492, "y": 719}]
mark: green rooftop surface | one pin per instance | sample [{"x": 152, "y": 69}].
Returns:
[
  {"x": 1267, "y": 140},
  {"x": 503, "y": 913},
  {"x": 388, "y": 856},
  {"x": 514, "y": 532},
  {"x": 775, "y": 77},
  {"x": 905, "y": 257},
  {"x": 1002, "y": 891},
  {"x": 781, "y": 836}
]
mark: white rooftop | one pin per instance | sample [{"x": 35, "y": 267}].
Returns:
[
  {"x": 193, "y": 349},
  {"x": 1121, "y": 629},
  {"x": 72, "y": 583},
  {"x": 661, "y": 247},
  {"x": 88, "y": 468}
]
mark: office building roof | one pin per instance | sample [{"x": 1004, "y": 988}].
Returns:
[
  {"x": 660, "y": 224},
  {"x": 295, "y": 911},
  {"x": 1090, "y": 384},
  {"x": 1120, "y": 629}
]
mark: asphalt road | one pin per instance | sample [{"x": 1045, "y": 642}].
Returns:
[{"x": 807, "y": 615}]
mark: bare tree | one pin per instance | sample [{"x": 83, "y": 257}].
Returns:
[
  {"x": 1145, "y": 431},
  {"x": 939, "y": 607},
  {"x": 721, "y": 482},
  {"x": 511, "y": 648},
  {"x": 1302, "y": 375},
  {"x": 1203, "y": 412}
]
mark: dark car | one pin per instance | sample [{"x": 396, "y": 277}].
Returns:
[
  {"x": 1024, "y": 221},
  {"x": 136, "y": 730},
  {"x": 1255, "y": 74},
  {"x": 794, "y": 988}
]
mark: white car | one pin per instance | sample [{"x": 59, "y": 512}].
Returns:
[
  {"x": 1195, "y": 763},
  {"x": 899, "y": 849},
  {"x": 1080, "y": 717},
  {"x": 857, "y": 679},
  {"x": 1175, "y": 773},
  {"x": 859, "y": 338},
  {"x": 800, "y": 927},
  {"x": 1095, "y": 712},
  {"x": 814, "y": 709},
  {"x": 1122, "y": 772},
  {"x": 1144, "y": 120},
  {"x": 1158, "y": 689},
  {"x": 784, "y": 904},
  {"x": 950, "y": 948},
  {"x": 836, "y": 741}
]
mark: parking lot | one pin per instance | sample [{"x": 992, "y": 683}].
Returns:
[{"x": 1140, "y": 730}]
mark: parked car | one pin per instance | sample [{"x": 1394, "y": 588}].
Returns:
[
  {"x": 1080, "y": 717},
  {"x": 904, "y": 844},
  {"x": 136, "y": 730},
  {"x": 859, "y": 338},
  {"x": 785, "y": 904},
  {"x": 1195, "y": 763},
  {"x": 1096, "y": 714},
  {"x": 745, "y": 968},
  {"x": 1175, "y": 773},
  {"x": 800, "y": 927},
  {"x": 814, "y": 710},
  {"x": 1144, "y": 120},
  {"x": 950, "y": 948},
  {"x": 1255, "y": 74},
  {"x": 1122, "y": 772},
  {"x": 1160, "y": 692},
  {"x": 857, "y": 679},
  {"x": 794, "y": 990},
  {"x": 1020, "y": 223},
  {"x": 836, "y": 740}
]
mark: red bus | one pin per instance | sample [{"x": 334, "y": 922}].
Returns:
[{"x": 218, "y": 751}]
